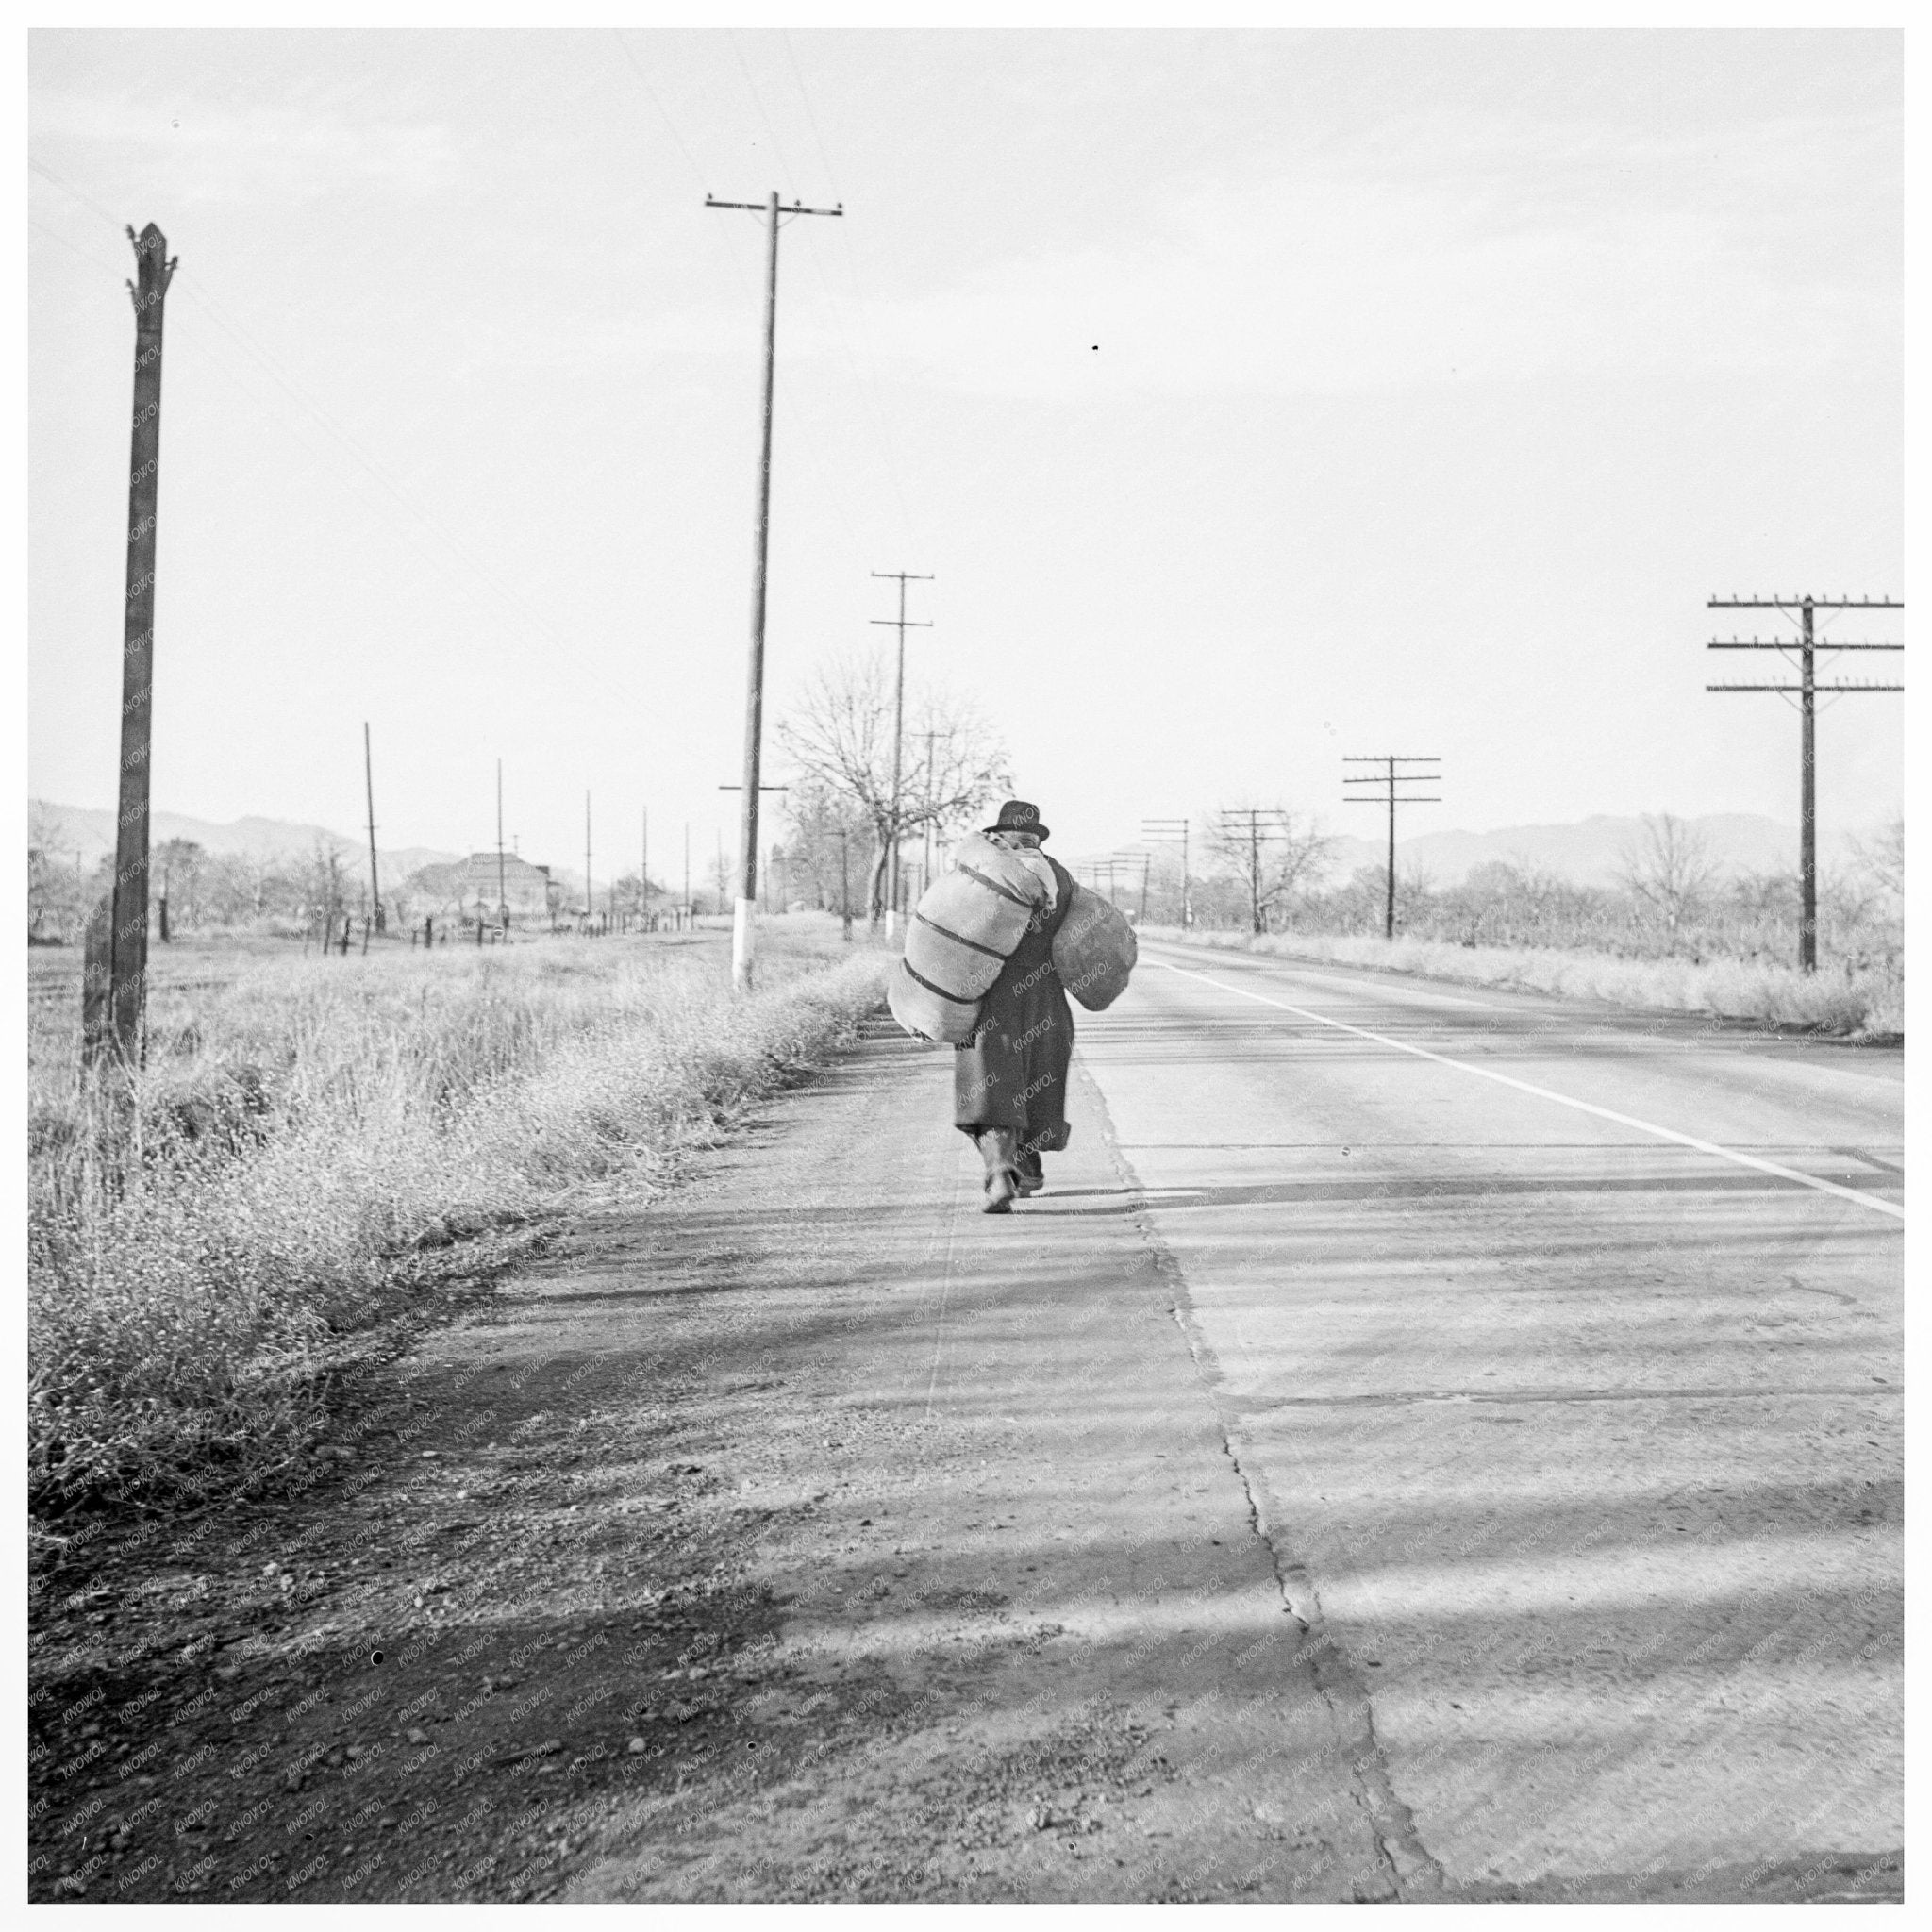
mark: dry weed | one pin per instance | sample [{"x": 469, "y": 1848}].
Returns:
[{"x": 315, "y": 1144}]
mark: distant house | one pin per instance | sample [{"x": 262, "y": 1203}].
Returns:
[{"x": 475, "y": 885}]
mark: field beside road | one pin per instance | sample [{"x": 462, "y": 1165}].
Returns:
[{"x": 318, "y": 1147}]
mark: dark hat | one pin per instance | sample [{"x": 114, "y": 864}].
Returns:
[{"x": 1016, "y": 815}]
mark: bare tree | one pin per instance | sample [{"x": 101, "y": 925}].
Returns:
[
  {"x": 830, "y": 834},
  {"x": 1882, "y": 855},
  {"x": 321, "y": 887},
  {"x": 840, "y": 737},
  {"x": 1278, "y": 856},
  {"x": 56, "y": 890},
  {"x": 1670, "y": 871}
]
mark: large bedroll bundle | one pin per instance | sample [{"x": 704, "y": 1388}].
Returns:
[
  {"x": 1095, "y": 950},
  {"x": 966, "y": 926},
  {"x": 964, "y": 929}
]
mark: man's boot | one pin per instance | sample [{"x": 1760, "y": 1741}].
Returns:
[
  {"x": 1032, "y": 1176},
  {"x": 998, "y": 1150}
]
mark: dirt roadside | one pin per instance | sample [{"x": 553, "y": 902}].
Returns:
[{"x": 807, "y": 1536}]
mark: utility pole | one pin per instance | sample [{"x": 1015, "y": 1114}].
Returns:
[
  {"x": 1171, "y": 832},
  {"x": 751, "y": 875},
  {"x": 1805, "y": 689},
  {"x": 686, "y": 872},
  {"x": 644, "y": 874},
  {"x": 502, "y": 896},
  {"x": 114, "y": 992},
  {"x": 1392, "y": 780},
  {"x": 845, "y": 880},
  {"x": 743, "y": 917},
  {"x": 925, "y": 852},
  {"x": 901, "y": 624},
  {"x": 586, "y": 863},
  {"x": 1248, "y": 821},
  {"x": 368, "y": 788}
]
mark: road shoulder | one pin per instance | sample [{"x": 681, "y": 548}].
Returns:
[{"x": 805, "y": 1536}]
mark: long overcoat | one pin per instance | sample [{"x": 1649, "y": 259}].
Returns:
[{"x": 1013, "y": 1071}]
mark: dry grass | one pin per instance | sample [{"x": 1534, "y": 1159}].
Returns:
[
  {"x": 1859, "y": 1002},
  {"x": 317, "y": 1145}
]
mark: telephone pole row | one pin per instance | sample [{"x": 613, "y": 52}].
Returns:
[
  {"x": 744, "y": 910},
  {"x": 1392, "y": 780},
  {"x": 1171, "y": 832},
  {"x": 1806, "y": 643}
]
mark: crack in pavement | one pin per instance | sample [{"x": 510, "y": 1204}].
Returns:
[{"x": 1414, "y": 1873}]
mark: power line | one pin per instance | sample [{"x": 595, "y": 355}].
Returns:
[
  {"x": 750, "y": 87},
  {"x": 475, "y": 571},
  {"x": 869, "y": 384},
  {"x": 811, "y": 119},
  {"x": 221, "y": 367},
  {"x": 663, "y": 113},
  {"x": 473, "y": 564}
]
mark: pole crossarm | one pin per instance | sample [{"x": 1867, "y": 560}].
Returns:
[
  {"x": 765, "y": 207},
  {"x": 1735, "y": 602},
  {"x": 1755, "y": 643},
  {"x": 1841, "y": 688}
]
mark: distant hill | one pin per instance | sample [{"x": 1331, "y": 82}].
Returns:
[
  {"x": 1589, "y": 852},
  {"x": 69, "y": 828}
]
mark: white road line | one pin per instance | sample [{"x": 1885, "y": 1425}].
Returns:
[
  {"x": 1399, "y": 994},
  {"x": 1604, "y": 1113}
]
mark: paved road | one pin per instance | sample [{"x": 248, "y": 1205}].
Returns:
[{"x": 1561, "y": 1354}]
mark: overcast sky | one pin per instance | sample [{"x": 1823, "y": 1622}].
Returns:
[{"x": 1254, "y": 399}]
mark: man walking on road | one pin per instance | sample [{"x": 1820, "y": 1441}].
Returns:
[{"x": 1009, "y": 1080}]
